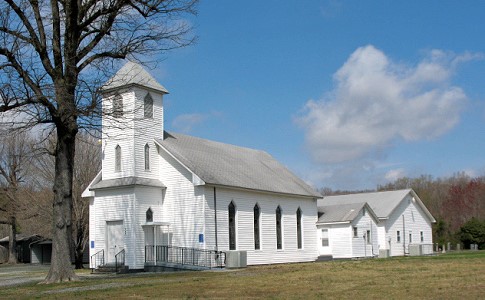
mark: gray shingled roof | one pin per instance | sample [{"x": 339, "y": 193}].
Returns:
[
  {"x": 133, "y": 74},
  {"x": 126, "y": 181},
  {"x": 339, "y": 213},
  {"x": 382, "y": 203},
  {"x": 228, "y": 165}
]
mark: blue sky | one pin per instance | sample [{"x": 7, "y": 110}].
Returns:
[{"x": 346, "y": 94}]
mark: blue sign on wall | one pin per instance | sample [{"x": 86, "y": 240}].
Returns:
[
  {"x": 92, "y": 244},
  {"x": 201, "y": 238}
]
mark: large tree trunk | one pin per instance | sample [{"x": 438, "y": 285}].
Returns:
[
  {"x": 12, "y": 241},
  {"x": 61, "y": 268}
]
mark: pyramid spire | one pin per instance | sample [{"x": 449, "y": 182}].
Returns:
[{"x": 133, "y": 74}]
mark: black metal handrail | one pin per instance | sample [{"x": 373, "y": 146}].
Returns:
[
  {"x": 184, "y": 256},
  {"x": 119, "y": 260},
  {"x": 97, "y": 259}
]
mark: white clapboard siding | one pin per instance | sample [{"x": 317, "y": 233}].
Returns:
[
  {"x": 360, "y": 247},
  {"x": 340, "y": 239},
  {"x": 113, "y": 205},
  {"x": 408, "y": 218},
  {"x": 183, "y": 203},
  {"x": 118, "y": 131},
  {"x": 146, "y": 197},
  {"x": 92, "y": 230},
  {"x": 245, "y": 202},
  {"x": 146, "y": 130}
]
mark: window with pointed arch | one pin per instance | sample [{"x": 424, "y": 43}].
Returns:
[
  {"x": 117, "y": 158},
  {"x": 117, "y": 106},
  {"x": 298, "y": 228},
  {"x": 147, "y": 157},
  {"x": 232, "y": 226},
  {"x": 257, "y": 214},
  {"x": 148, "y": 106},
  {"x": 279, "y": 238},
  {"x": 149, "y": 215}
]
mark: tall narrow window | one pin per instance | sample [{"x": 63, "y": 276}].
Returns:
[
  {"x": 410, "y": 238},
  {"x": 422, "y": 236},
  {"x": 298, "y": 228},
  {"x": 149, "y": 215},
  {"x": 398, "y": 236},
  {"x": 279, "y": 240},
  {"x": 148, "y": 106},
  {"x": 117, "y": 106},
  {"x": 117, "y": 158},
  {"x": 368, "y": 237},
  {"x": 232, "y": 226},
  {"x": 147, "y": 157},
  {"x": 257, "y": 213},
  {"x": 354, "y": 230}
]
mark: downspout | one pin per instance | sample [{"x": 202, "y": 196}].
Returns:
[
  {"x": 403, "y": 235},
  {"x": 215, "y": 218},
  {"x": 371, "y": 239}
]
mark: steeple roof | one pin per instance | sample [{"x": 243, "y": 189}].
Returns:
[{"x": 133, "y": 74}]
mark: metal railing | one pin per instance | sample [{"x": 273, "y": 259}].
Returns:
[
  {"x": 119, "y": 260},
  {"x": 184, "y": 256},
  {"x": 97, "y": 259}
]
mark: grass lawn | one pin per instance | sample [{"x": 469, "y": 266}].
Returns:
[{"x": 448, "y": 276}]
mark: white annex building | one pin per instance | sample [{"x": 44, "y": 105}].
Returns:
[
  {"x": 392, "y": 223},
  {"x": 165, "y": 197}
]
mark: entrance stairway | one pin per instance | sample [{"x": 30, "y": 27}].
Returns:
[{"x": 99, "y": 266}]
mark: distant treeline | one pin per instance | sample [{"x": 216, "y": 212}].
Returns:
[{"x": 454, "y": 202}]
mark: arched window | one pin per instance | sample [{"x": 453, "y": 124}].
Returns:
[
  {"x": 298, "y": 228},
  {"x": 147, "y": 157},
  {"x": 257, "y": 214},
  {"x": 232, "y": 226},
  {"x": 148, "y": 106},
  {"x": 279, "y": 238},
  {"x": 117, "y": 106},
  {"x": 117, "y": 158},
  {"x": 149, "y": 215}
]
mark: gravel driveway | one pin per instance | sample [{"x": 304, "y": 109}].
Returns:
[{"x": 11, "y": 275}]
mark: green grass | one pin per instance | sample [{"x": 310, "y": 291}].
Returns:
[{"x": 448, "y": 276}]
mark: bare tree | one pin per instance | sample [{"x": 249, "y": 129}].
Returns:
[
  {"x": 87, "y": 165},
  {"x": 53, "y": 55},
  {"x": 15, "y": 160}
]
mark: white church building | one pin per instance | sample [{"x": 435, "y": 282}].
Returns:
[{"x": 166, "y": 197}]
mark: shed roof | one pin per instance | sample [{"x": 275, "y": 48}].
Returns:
[
  {"x": 133, "y": 74},
  {"x": 227, "y": 165},
  {"x": 126, "y": 181}
]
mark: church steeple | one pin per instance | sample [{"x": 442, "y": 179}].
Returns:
[{"x": 132, "y": 119}]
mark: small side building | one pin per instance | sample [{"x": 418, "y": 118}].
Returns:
[
  {"x": 404, "y": 222},
  {"x": 347, "y": 231}
]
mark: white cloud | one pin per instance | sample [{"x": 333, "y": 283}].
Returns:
[
  {"x": 393, "y": 175},
  {"x": 186, "y": 122},
  {"x": 376, "y": 102}
]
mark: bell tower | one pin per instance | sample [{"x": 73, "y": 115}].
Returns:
[{"x": 132, "y": 118}]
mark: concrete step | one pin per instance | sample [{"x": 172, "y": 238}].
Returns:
[
  {"x": 324, "y": 258},
  {"x": 110, "y": 268}
]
